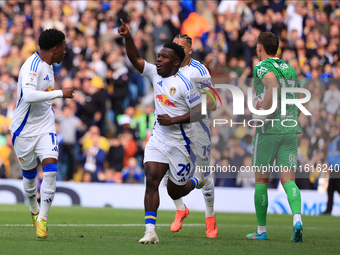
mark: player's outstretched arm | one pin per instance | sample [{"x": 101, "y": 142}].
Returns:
[
  {"x": 31, "y": 95},
  {"x": 192, "y": 116},
  {"x": 131, "y": 49}
]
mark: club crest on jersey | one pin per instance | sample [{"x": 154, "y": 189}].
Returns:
[
  {"x": 172, "y": 91},
  {"x": 163, "y": 99},
  {"x": 21, "y": 160}
]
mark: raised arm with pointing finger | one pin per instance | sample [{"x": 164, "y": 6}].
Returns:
[{"x": 131, "y": 49}]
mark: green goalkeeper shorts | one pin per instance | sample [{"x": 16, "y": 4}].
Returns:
[{"x": 268, "y": 147}]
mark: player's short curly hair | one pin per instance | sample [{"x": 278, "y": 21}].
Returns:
[
  {"x": 50, "y": 38},
  {"x": 269, "y": 41},
  {"x": 179, "y": 50}
]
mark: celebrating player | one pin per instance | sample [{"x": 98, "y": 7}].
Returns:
[
  {"x": 193, "y": 69},
  {"x": 170, "y": 146},
  {"x": 272, "y": 140},
  {"x": 33, "y": 124}
]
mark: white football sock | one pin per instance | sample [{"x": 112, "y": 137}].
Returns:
[
  {"x": 208, "y": 194},
  {"x": 179, "y": 204},
  {"x": 47, "y": 192},
  {"x": 296, "y": 218},
  {"x": 30, "y": 188},
  {"x": 150, "y": 226},
  {"x": 261, "y": 229}
]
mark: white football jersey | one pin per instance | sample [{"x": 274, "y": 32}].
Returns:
[
  {"x": 35, "y": 118},
  {"x": 194, "y": 69},
  {"x": 174, "y": 96}
]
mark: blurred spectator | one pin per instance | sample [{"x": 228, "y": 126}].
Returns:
[
  {"x": 113, "y": 177},
  {"x": 132, "y": 173},
  {"x": 235, "y": 45},
  {"x": 332, "y": 99},
  {"x": 68, "y": 126},
  {"x": 98, "y": 65},
  {"x": 129, "y": 145},
  {"x": 93, "y": 112},
  {"x": 295, "y": 17},
  {"x": 333, "y": 159},
  {"x": 5, "y": 151},
  {"x": 161, "y": 33},
  {"x": 145, "y": 122},
  {"x": 115, "y": 155},
  {"x": 93, "y": 159},
  {"x": 246, "y": 176},
  {"x": 4, "y": 131},
  {"x": 87, "y": 140},
  {"x": 194, "y": 25},
  {"x": 331, "y": 7}
]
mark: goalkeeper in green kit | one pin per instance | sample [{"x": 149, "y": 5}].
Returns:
[{"x": 275, "y": 140}]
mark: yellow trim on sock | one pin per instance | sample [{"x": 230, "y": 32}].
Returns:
[{"x": 150, "y": 217}]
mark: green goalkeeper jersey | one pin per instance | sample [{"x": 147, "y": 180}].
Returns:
[{"x": 286, "y": 77}]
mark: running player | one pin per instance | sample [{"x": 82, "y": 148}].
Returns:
[
  {"x": 33, "y": 124},
  {"x": 169, "y": 147},
  {"x": 272, "y": 140},
  {"x": 194, "y": 69}
]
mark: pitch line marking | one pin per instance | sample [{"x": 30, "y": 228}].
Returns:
[{"x": 157, "y": 225}]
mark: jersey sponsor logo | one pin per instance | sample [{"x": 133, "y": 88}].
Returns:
[
  {"x": 194, "y": 97},
  {"x": 284, "y": 66},
  {"x": 160, "y": 83},
  {"x": 163, "y": 99},
  {"x": 55, "y": 149},
  {"x": 49, "y": 89},
  {"x": 46, "y": 78},
  {"x": 172, "y": 91}
]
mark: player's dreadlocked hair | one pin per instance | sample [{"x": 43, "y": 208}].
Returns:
[
  {"x": 179, "y": 51},
  {"x": 50, "y": 38},
  {"x": 185, "y": 37}
]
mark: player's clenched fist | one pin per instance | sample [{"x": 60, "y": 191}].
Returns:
[
  {"x": 68, "y": 92},
  {"x": 164, "y": 120},
  {"x": 123, "y": 30}
]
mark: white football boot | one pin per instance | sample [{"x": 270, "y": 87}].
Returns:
[{"x": 150, "y": 237}]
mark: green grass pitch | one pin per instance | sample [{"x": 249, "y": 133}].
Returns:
[{"x": 101, "y": 231}]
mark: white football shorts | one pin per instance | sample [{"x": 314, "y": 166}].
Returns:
[
  {"x": 181, "y": 165},
  {"x": 29, "y": 148}
]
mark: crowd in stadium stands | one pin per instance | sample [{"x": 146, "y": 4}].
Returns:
[{"x": 103, "y": 131}]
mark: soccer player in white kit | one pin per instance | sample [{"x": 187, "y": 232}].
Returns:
[
  {"x": 191, "y": 68},
  {"x": 33, "y": 124},
  {"x": 170, "y": 147}
]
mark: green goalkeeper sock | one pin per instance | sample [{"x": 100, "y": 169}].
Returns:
[
  {"x": 261, "y": 202},
  {"x": 294, "y": 196}
]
